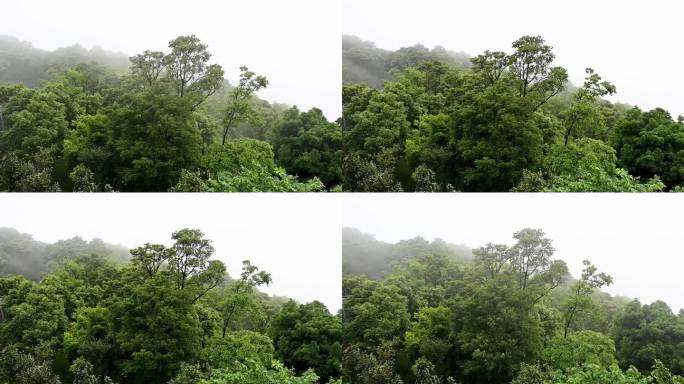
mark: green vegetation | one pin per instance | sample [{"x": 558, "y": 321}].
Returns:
[
  {"x": 159, "y": 314},
  {"x": 170, "y": 122},
  {"x": 504, "y": 122},
  {"x": 498, "y": 314}
]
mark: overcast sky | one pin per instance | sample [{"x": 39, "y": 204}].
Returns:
[
  {"x": 295, "y": 43},
  {"x": 636, "y": 45},
  {"x": 296, "y": 237},
  {"x": 636, "y": 238}
]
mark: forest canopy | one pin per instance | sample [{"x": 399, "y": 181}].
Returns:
[
  {"x": 510, "y": 313},
  {"x": 505, "y": 121},
  {"x": 156, "y": 314},
  {"x": 74, "y": 120}
]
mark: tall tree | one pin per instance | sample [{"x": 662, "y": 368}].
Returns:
[
  {"x": 240, "y": 105},
  {"x": 580, "y": 293}
]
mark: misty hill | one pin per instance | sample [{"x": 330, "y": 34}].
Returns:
[
  {"x": 21, "y": 62},
  {"x": 511, "y": 315},
  {"x": 153, "y": 122},
  {"x": 363, "y": 62},
  {"x": 91, "y": 320},
  {"x": 363, "y": 254},
  {"x": 21, "y": 254}
]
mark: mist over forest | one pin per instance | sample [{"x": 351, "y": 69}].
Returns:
[
  {"x": 88, "y": 312},
  {"x": 423, "y": 312},
  {"x": 363, "y": 62},
  {"x": 21, "y": 62},
  {"x": 362, "y": 254},
  {"x": 84, "y": 120},
  {"x": 437, "y": 121},
  {"x": 21, "y": 255}
]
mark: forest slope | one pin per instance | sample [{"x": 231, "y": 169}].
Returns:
[
  {"x": 508, "y": 121},
  {"x": 74, "y": 120},
  {"x": 508, "y": 314},
  {"x": 169, "y": 314}
]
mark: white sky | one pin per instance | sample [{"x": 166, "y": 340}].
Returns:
[
  {"x": 636, "y": 45},
  {"x": 636, "y": 238},
  {"x": 295, "y": 43},
  {"x": 296, "y": 237}
]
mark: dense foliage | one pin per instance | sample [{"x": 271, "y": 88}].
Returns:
[
  {"x": 506, "y": 122},
  {"x": 171, "y": 122},
  {"x": 170, "y": 314},
  {"x": 511, "y": 314}
]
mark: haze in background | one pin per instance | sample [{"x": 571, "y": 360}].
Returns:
[
  {"x": 296, "y": 237},
  {"x": 296, "y": 44},
  {"x": 634, "y": 44},
  {"x": 636, "y": 239}
]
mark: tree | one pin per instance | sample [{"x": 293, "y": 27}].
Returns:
[
  {"x": 646, "y": 333},
  {"x": 579, "y": 349},
  {"x": 496, "y": 330},
  {"x": 306, "y": 337},
  {"x": 430, "y": 337},
  {"x": 27, "y": 368},
  {"x": 580, "y": 300},
  {"x": 257, "y": 374},
  {"x": 190, "y": 264},
  {"x": 156, "y": 329},
  {"x": 83, "y": 373},
  {"x": 584, "y": 165},
  {"x": 493, "y": 258},
  {"x": 187, "y": 65},
  {"x": 531, "y": 64},
  {"x": 239, "y": 347},
  {"x": 531, "y": 259},
  {"x": 380, "y": 316},
  {"x": 375, "y": 367},
  {"x": 583, "y": 113},
  {"x": 156, "y": 138},
  {"x": 150, "y": 258},
  {"x": 307, "y": 145},
  {"x": 148, "y": 66},
  {"x": 236, "y": 295},
  {"x": 91, "y": 338},
  {"x": 34, "y": 315},
  {"x": 242, "y": 165},
  {"x": 240, "y": 104},
  {"x": 650, "y": 144}
]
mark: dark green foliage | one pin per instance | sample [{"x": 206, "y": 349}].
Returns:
[
  {"x": 308, "y": 336},
  {"x": 307, "y": 145},
  {"x": 651, "y": 144},
  {"x": 644, "y": 333}
]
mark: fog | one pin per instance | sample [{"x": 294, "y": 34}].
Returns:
[
  {"x": 296, "y": 44},
  {"x": 296, "y": 237},
  {"x": 635, "y": 238},
  {"x": 634, "y": 44}
]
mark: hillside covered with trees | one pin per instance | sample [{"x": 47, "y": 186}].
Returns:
[
  {"x": 509, "y": 314},
  {"x": 153, "y": 314},
  {"x": 508, "y": 121},
  {"x": 75, "y": 120},
  {"x": 363, "y": 62}
]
